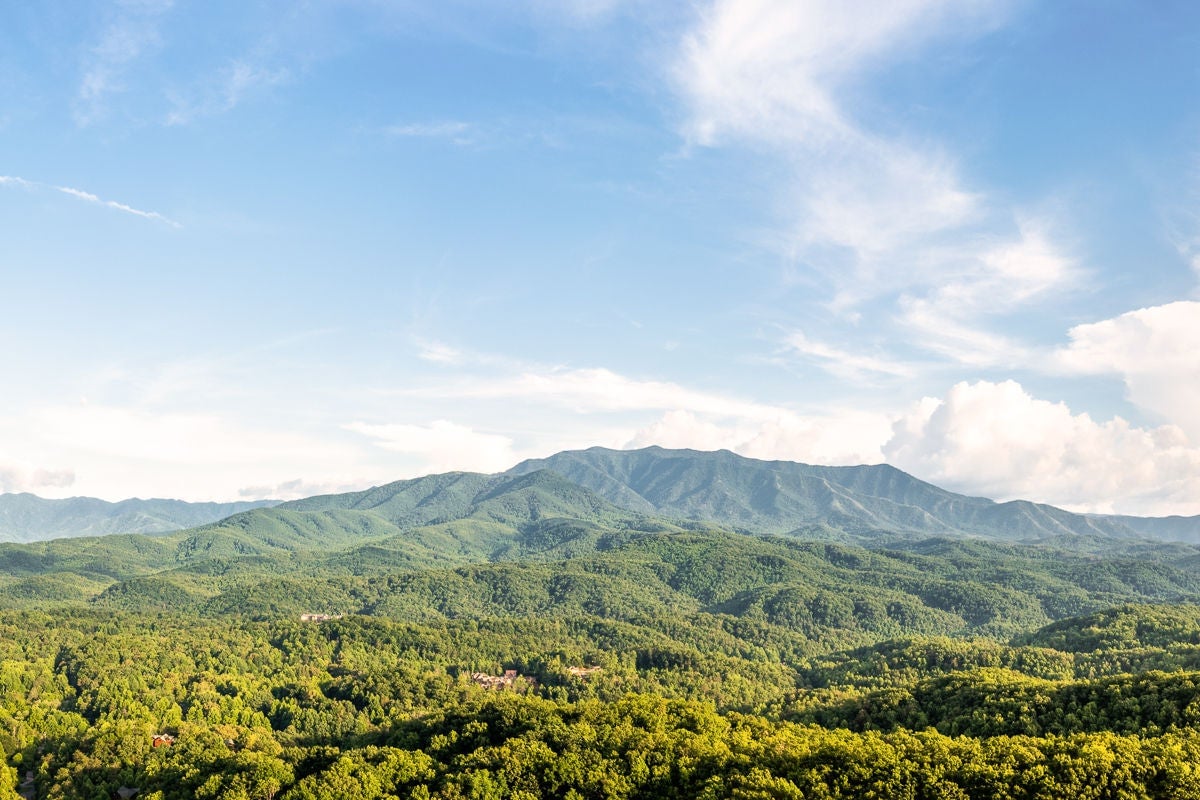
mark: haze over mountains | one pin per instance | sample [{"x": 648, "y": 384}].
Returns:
[
  {"x": 862, "y": 504},
  {"x": 27, "y": 518}
]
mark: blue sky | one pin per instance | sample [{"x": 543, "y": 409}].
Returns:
[{"x": 273, "y": 249}]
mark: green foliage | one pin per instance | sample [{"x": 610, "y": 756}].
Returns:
[{"x": 654, "y": 657}]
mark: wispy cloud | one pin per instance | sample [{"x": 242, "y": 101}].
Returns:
[
  {"x": 137, "y": 212},
  {"x": 869, "y": 214},
  {"x": 1183, "y": 221},
  {"x": 131, "y": 33},
  {"x": 770, "y": 73},
  {"x": 225, "y": 90},
  {"x": 439, "y": 352},
  {"x": 845, "y": 363},
  {"x": 460, "y": 133},
  {"x": 985, "y": 280},
  {"x": 80, "y": 194}
]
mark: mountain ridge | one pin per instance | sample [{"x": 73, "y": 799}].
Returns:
[
  {"x": 867, "y": 504},
  {"x": 785, "y": 497}
]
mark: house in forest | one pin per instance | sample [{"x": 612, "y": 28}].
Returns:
[
  {"x": 505, "y": 681},
  {"x": 162, "y": 740}
]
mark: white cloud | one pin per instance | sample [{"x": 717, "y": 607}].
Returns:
[
  {"x": 769, "y": 69},
  {"x": 1156, "y": 351},
  {"x": 16, "y": 477},
  {"x": 442, "y": 445},
  {"x": 770, "y": 73},
  {"x": 996, "y": 440}
]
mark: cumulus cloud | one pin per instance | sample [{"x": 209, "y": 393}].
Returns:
[
  {"x": 996, "y": 440},
  {"x": 442, "y": 445},
  {"x": 1155, "y": 351},
  {"x": 846, "y": 438}
]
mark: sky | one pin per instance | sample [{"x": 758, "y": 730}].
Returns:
[{"x": 274, "y": 249}]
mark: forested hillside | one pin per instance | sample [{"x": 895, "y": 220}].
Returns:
[
  {"x": 862, "y": 502},
  {"x": 366, "y": 708}
]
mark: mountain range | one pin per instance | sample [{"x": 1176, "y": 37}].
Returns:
[
  {"x": 863, "y": 504},
  {"x": 834, "y": 556}
]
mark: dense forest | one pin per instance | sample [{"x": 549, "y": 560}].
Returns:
[
  {"x": 362, "y": 707},
  {"x": 521, "y": 636}
]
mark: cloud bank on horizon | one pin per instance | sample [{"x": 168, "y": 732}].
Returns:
[{"x": 389, "y": 239}]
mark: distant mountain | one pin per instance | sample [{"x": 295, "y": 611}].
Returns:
[
  {"x": 435, "y": 521},
  {"x": 784, "y": 497},
  {"x": 1169, "y": 529},
  {"x": 28, "y": 518}
]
